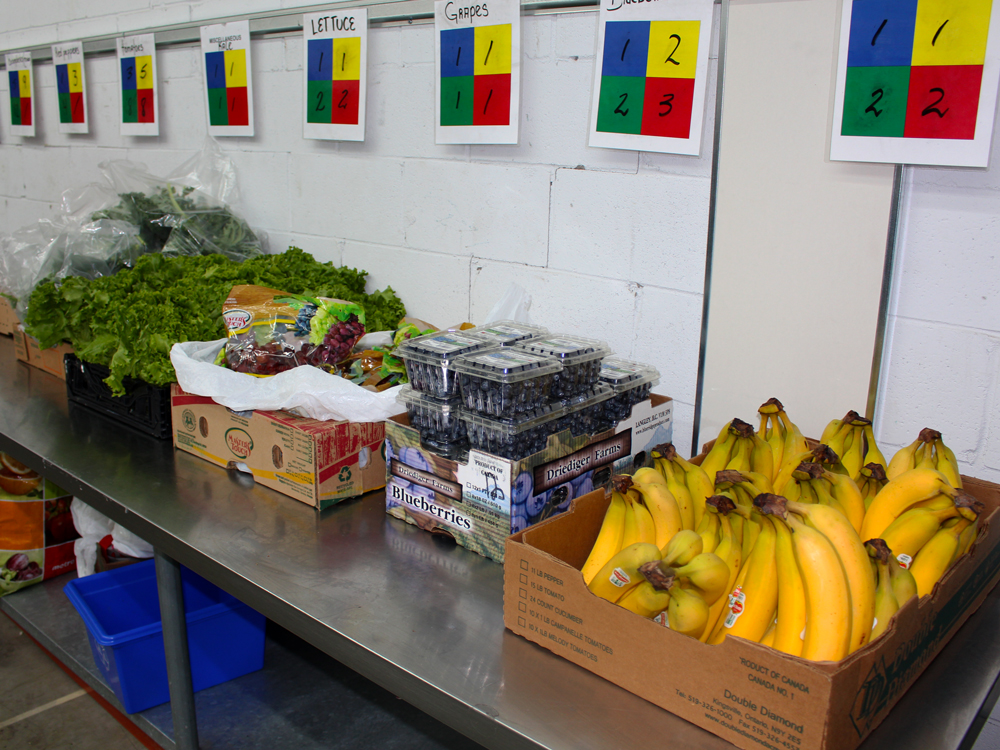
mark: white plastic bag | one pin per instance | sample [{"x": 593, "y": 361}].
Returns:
[
  {"x": 127, "y": 543},
  {"x": 513, "y": 305},
  {"x": 92, "y": 526},
  {"x": 305, "y": 390}
]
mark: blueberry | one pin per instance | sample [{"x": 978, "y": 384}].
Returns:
[
  {"x": 523, "y": 487},
  {"x": 583, "y": 485},
  {"x": 536, "y": 503},
  {"x": 518, "y": 521},
  {"x": 414, "y": 457}
]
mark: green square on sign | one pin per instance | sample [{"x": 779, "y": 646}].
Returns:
[
  {"x": 875, "y": 101},
  {"x": 619, "y": 109},
  {"x": 319, "y": 108},
  {"x": 15, "y": 110},
  {"x": 218, "y": 113},
  {"x": 130, "y": 111},
  {"x": 65, "y": 108},
  {"x": 456, "y": 100}
]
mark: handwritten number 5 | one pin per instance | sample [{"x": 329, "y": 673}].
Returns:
[
  {"x": 871, "y": 107},
  {"x": 933, "y": 105},
  {"x": 624, "y": 98},
  {"x": 670, "y": 57}
]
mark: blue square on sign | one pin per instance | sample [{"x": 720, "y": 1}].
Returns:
[
  {"x": 458, "y": 52},
  {"x": 626, "y": 47},
  {"x": 62, "y": 79},
  {"x": 215, "y": 69},
  {"x": 320, "y": 60},
  {"x": 15, "y": 85},
  {"x": 128, "y": 73},
  {"x": 881, "y": 33}
]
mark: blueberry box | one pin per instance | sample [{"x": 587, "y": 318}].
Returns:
[
  {"x": 437, "y": 421},
  {"x": 517, "y": 437},
  {"x": 506, "y": 382},
  {"x": 580, "y": 358},
  {"x": 510, "y": 332},
  {"x": 428, "y": 360},
  {"x": 121, "y": 610},
  {"x": 585, "y": 414},
  {"x": 631, "y": 381}
]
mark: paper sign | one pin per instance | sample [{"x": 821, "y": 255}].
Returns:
[
  {"x": 70, "y": 87},
  {"x": 478, "y": 61},
  {"x": 140, "y": 100},
  {"x": 22, "y": 103},
  {"x": 225, "y": 48},
  {"x": 650, "y": 75},
  {"x": 916, "y": 82},
  {"x": 335, "y": 65}
]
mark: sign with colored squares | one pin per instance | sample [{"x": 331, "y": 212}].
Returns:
[
  {"x": 916, "y": 82},
  {"x": 140, "y": 106},
  {"x": 22, "y": 103},
  {"x": 228, "y": 88},
  {"x": 649, "y": 83},
  {"x": 478, "y": 59},
  {"x": 70, "y": 87},
  {"x": 335, "y": 63}
]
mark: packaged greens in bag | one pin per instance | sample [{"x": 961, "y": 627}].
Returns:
[{"x": 270, "y": 331}]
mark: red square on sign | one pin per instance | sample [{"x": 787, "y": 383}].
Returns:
[
  {"x": 236, "y": 106},
  {"x": 943, "y": 101},
  {"x": 25, "y": 110},
  {"x": 346, "y": 95},
  {"x": 76, "y": 106},
  {"x": 144, "y": 104},
  {"x": 666, "y": 107},
  {"x": 491, "y": 100}
]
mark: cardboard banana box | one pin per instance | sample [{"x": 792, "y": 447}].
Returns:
[{"x": 751, "y": 695}]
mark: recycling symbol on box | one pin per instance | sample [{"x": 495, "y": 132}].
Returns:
[{"x": 345, "y": 474}]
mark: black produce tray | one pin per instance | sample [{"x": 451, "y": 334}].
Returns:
[{"x": 144, "y": 407}]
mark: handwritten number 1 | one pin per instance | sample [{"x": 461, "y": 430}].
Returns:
[
  {"x": 879, "y": 31},
  {"x": 458, "y": 56},
  {"x": 319, "y": 68},
  {"x": 670, "y": 57},
  {"x": 487, "y": 58},
  {"x": 934, "y": 40},
  {"x": 488, "y": 100},
  {"x": 458, "y": 98},
  {"x": 343, "y": 60},
  {"x": 625, "y": 48}
]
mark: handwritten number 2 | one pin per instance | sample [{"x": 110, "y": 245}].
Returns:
[
  {"x": 871, "y": 107},
  {"x": 667, "y": 103},
  {"x": 933, "y": 105},
  {"x": 342, "y": 104},
  {"x": 670, "y": 57},
  {"x": 624, "y": 98},
  {"x": 319, "y": 102}
]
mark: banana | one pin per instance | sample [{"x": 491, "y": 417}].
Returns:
[
  {"x": 648, "y": 475},
  {"x": 886, "y": 605},
  {"x": 729, "y": 550},
  {"x": 910, "y": 487},
  {"x": 936, "y": 557},
  {"x": 717, "y": 458},
  {"x": 609, "y": 538},
  {"x": 681, "y": 549},
  {"x": 795, "y": 442},
  {"x": 753, "y": 602},
  {"x": 925, "y": 458},
  {"x": 853, "y": 456},
  {"x": 687, "y": 612},
  {"x": 791, "y": 464},
  {"x": 787, "y": 634},
  {"x": 874, "y": 479},
  {"x": 761, "y": 457},
  {"x": 846, "y": 492},
  {"x": 772, "y": 430},
  {"x": 630, "y": 529},
  {"x": 832, "y": 428},
  {"x": 663, "y": 510},
  {"x": 706, "y": 572},
  {"x": 903, "y": 460},
  {"x": 646, "y": 528},
  {"x": 621, "y": 572},
  {"x": 903, "y": 583},
  {"x": 947, "y": 464},
  {"x": 914, "y": 528},
  {"x": 854, "y": 563},
  {"x": 873, "y": 455},
  {"x": 645, "y": 600},
  {"x": 968, "y": 538},
  {"x": 838, "y": 443},
  {"x": 691, "y": 475},
  {"x": 768, "y": 639},
  {"x": 708, "y": 530},
  {"x": 740, "y": 459},
  {"x": 675, "y": 483}
]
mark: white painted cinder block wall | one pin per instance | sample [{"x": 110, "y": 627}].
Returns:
[{"x": 610, "y": 243}]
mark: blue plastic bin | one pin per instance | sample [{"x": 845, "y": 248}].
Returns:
[{"x": 121, "y": 609}]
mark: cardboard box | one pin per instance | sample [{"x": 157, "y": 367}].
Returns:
[
  {"x": 26, "y": 349},
  {"x": 751, "y": 695},
  {"x": 482, "y": 499},
  {"x": 317, "y": 462},
  {"x": 8, "y": 318}
]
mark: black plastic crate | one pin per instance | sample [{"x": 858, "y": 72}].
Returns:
[{"x": 144, "y": 407}]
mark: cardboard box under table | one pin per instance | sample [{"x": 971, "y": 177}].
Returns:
[
  {"x": 481, "y": 499},
  {"x": 8, "y": 318},
  {"x": 317, "y": 462},
  {"x": 751, "y": 695},
  {"x": 50, "y": 360}
]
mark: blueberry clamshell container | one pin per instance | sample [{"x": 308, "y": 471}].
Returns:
[
  {"x": 509, "y": 332},
  {"x": 586, "y": 414},
  {"x": 428, "y": 360},
  {"x": 631, "y": 382},
  {"x": 581, "y": 360},
  {"x": 438, "y": 422},
  {"x": 515, "y": 438},
  {"x": 505, "y": 382}
]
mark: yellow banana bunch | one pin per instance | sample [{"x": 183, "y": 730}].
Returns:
[
  {"x": 681, "y": 549},
  {"x": 687, "y": 612},
  {"x": 674, "y": 477},
  {"x": 728, "y": 549},
  {"x": 609, "y": 538},
  {"x": 886, "y": 604},
  {"x": 924, "y": 451},
  {"x": 621, "y": 573},
  {"x": 939, "y": 554},
  {"x": 659, "y": 501},
  {"x": 693, "y": 477},
  {"x": 907, "y": 489},
  {"x": 772, "y": 429},
  {"x": 871, "y": 481},
  {"x": 739, "y": 448},
  {"x": 709, "y": 530},
  {"x": 645, "y": 528},
  {"x": 719, "y": 455},
  {"x": 908, "y": 534},
  {"x": 903, "y": 460},
  {"x": 707, "y": 573},
  {"x": 946, "y": 462},
  {"x": 645, "y": 600},
  {"x": 795, "y": 444},
  {"x": 787, "y": 634},
  {"x": 904, "y": 585}
]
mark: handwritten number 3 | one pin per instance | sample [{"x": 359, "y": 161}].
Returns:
[
  {"x": 667, "y": 103},
  {"x": 933, "y": 105}
]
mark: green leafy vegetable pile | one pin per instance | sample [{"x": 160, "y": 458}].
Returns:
[{"x": 129, "y": 321}]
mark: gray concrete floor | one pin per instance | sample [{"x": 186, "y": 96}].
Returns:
[{"x": 43, "y": 707}]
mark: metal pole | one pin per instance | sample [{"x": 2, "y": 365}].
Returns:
[{"x": 175, "y": 646}]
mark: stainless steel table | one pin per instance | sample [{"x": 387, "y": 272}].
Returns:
[{"x": 411, "y": 611}]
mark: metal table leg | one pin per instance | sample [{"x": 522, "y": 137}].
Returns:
[{"x": 175, "y": 646}]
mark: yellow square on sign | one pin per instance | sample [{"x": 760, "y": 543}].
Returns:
[
  {"x": 492, "y": 49},
  {"x": 347, "y": 58},
  {"x": 24, "y": 83},
  {"x": 951, "y": 33},
  {"x": 673, "y": 49},
  {"x": 75, "y": 79},
  {"x": 236, "y": 68},
  {"x": 144, "y": 72}
]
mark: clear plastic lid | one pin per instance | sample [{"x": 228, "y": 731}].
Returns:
[
  {"x": 534, "y": 418},
  {"x": 624, "y": 374},
  {"x": 412, "y": 398},
  {"x": 441, "y": 348},
  {"x": 570, "y": 350},
  {"x": 596, "y": 395},
  {"x": 506, "y": 365},
  {"x": 508, "y": 332}
]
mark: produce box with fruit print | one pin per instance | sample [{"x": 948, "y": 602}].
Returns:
[
  {"x": 480, "y": 498},
  {"x": 36, "y": 527}
]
